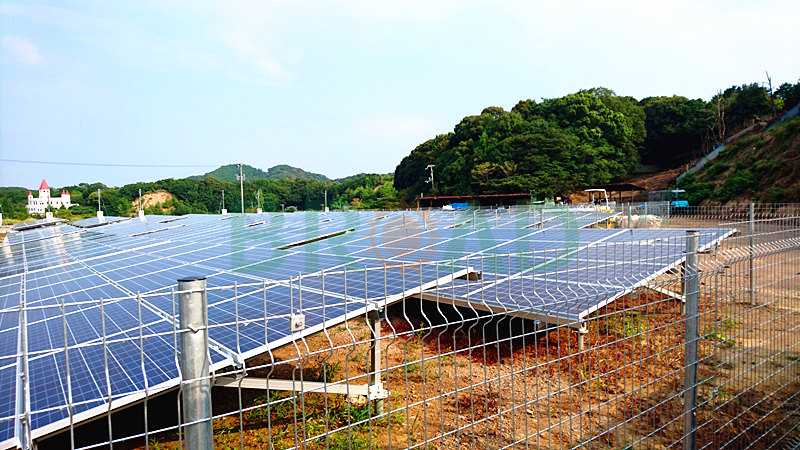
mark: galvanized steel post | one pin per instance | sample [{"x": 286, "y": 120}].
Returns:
[
  {"x": 690, "y": 357},
  {"x": 195, "y": 380},
  {"x": 668, "y": 208},
  {"x": 752, "y": 239},
  {"x": 376, "y": 322},
  {"x": 630, "y": 214}
]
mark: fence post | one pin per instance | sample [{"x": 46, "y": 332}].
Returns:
[
  {"x": 630, "y": 214},
  {"x": 668, "y": 205},
  {"x": 752, "y": 238},
  {"x": 196, "y": 388},
  {"x": 690, "y": 362},
  {"x": 375, "y": 384},
  {"x": 646, "y": 222}
]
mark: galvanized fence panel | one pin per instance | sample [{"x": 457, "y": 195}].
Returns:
[{"x": 700, "y": 351}]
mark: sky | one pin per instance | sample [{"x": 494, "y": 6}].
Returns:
[{"x": 336, "y": 87}]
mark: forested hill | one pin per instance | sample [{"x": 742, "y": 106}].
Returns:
[
  {"x": 366, "y": 191},
  {"x": 543, "y": 148},
  {"x": 762, "y": 166},
  {"x": 279, "y": 172},
  {"x": 590, "y": 137}
]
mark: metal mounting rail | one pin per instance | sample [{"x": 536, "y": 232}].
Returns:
[{"x": 298, "y": 386}]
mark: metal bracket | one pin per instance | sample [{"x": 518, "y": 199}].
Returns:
[
  {"x": 378, "y": 312},
  {"x": 377, "y": 392},
  {"x": 297, "y": 322}
]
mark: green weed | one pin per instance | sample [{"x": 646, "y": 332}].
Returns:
[
  {"x": 155, "y": 445},
  {"x": 716, "y": 332},
  {"x": 359, "y": 356},
  {"x": 629, "y": 325}
]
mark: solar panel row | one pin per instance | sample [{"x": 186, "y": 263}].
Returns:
[{"x": 58, "y": 275}]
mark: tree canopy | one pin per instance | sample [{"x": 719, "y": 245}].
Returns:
[
  {"x": 188, "y": 195},
  {"x": 542, "y": 148}
]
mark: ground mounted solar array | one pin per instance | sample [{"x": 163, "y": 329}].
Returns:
[{"x": 102, "y": 289}]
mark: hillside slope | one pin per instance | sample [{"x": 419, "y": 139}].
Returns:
[
  {"x": 763, "y": 167},
  {"x": 282, "y": 171}
]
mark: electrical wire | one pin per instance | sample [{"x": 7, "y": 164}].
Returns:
[{"x": 64, "y": 163}]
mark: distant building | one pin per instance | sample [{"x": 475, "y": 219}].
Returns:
[{"x": 44, "y": 201}]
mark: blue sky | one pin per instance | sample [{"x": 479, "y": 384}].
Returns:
[{"x": 337, "y": 87}]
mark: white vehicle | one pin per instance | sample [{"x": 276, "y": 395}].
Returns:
[{"x": 598, "y": 201}]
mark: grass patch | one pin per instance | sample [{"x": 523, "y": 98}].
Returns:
[
  {"x": 718, "y": 332},
  {"x": 629, "y": 324}
]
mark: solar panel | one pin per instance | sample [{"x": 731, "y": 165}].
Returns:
[
  {"x": 526, "y": 256},
  {"x": 576, "y": 281},
  {"x": 22, "y": 226}
]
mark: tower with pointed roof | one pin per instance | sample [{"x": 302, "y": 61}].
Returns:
[
  {"x": 44, "y": 190},
  {"x": 40, "y": 205}
]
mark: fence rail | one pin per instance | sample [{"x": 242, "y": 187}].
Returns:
[{"x": 691, "y": 340}]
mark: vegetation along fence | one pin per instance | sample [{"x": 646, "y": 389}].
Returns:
[{"x": 689, "y": 339}]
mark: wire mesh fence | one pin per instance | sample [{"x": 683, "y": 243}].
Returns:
[{"x": 683, "y": 340}]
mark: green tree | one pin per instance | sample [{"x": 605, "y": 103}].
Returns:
[
  {"x": 546, "y": 148},
  {"x": 789, "y": 94},
  {"x": 675, "y": 127}
]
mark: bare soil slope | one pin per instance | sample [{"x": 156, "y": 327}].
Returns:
[{"x": 153, "y": 199}]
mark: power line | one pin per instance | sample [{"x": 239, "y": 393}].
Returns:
[{"x": 64, "y": 163}]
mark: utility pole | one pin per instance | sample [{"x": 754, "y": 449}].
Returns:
[
  {"x": 326, "y": 201},
  {"x": 99, "y": 208},
  {"x": 240, "y": 177},
  {"x": 223, "y": 199},
  {"x": 431, "y": 166},
  {"x": 141, "y": 211}
]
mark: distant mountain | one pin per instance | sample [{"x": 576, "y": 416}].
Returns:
[
  {"x": 281, "y": 171},
  {"x": 357, "y": 176},
  {"x": 285, "y": 171}
]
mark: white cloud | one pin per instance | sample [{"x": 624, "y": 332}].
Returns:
[{"x": 25, "y": 51}]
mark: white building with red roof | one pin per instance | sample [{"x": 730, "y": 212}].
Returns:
[{"x": 39, "y": 205}]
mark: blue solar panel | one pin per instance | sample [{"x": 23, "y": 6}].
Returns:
[
  {"x": 8, "y": 392},
  {"x": 524, "y": 268},
  {"x": 576, "y": 281}
]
